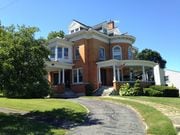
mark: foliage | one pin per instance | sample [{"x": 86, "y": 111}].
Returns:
[
  {"x": 166, "y": 90},
  {"x": 114, "y": 93},
  {"x": 138, "y": 91},
  {"x": 89, "y": 89},
  {"x": 54, "y": 34},
  {"x": 152, "y": 92},
  {"x": 22, "y": 63},
  {"x": 126, "y": 90},
  {"x": 158, "y": 123},
  {"x": 148, "y": 54}
]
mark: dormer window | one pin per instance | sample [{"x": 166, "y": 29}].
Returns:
[{"x": 72, "y": 31}]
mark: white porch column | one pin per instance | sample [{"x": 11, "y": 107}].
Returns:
[
  {"x": 118, "y": 73},
  {"x": 56, "y": 53},
  {"x": 114, "y": 73},
  {"x": 63, "y": 76},
  {"x": 144, "y": 74},
  {"x": 99, "y": 74},
  {"x": 59, "y": 76}
]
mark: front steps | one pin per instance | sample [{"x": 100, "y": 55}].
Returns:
[{"x": 103, "y": 91}]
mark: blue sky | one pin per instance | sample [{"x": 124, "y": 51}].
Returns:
[{"x": 154, "y": 23}]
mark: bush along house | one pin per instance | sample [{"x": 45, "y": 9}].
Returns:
[{"x": 99, "y": 55}]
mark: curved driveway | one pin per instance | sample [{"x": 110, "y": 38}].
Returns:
[{"x": 108, "y": 119}]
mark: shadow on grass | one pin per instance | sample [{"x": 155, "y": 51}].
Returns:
[{"x": 38, "y": 123}]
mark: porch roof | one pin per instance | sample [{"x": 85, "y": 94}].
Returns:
[
  {"x": 55, "y": 65},
  {"x": 115, "y": 62}
]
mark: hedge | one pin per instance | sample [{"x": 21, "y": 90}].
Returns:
[{"x": 161, "y": 91}]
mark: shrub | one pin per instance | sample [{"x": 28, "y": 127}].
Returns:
[
  {"x": 89, "y": 89},
  {"x": 152, "y": 92},
  {"x": 165, "y": 91},
  {"x": 138, "y": 91},
  {"x": 126, "y": 90}
]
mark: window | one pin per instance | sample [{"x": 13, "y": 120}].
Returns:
[
  {"x": 166, "y": 78},
  {"x": 78, "y": 75},
  {"x": 117, "y": 54},
  {"x": 77, "y": 29},
  {"x": 55, "y": 78},
  {"x": 77, "y": 54},
  {"x": 52, "y": 52},
  {"x": 130, "y": 53},
  {"x": 65, "y": 53},
  {"x": 101, "y": 54},
  {"x": 59, "y": 52},
  {"x": 72, "y": 31}
]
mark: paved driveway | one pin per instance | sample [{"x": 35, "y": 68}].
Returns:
[{"x": 108, "y": 119}]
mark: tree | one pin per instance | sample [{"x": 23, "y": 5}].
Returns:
[
  {"x": 148, "y": 54},
  {"x": 22, "y": 63},
  {"x": 54, "y": 34}
]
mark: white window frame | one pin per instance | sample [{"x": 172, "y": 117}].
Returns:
[
  {"x": 113, "y": 53},
  {"x": 75, "y": 56},
  {"x": 77, "y": 70},
  {"x": 130, "y": 55},
  {"x": 99, "y": 54}
]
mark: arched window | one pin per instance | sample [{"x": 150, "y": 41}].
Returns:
[
  {"x": 117, "y": 53},
  {"x": 130, "y": 56}
]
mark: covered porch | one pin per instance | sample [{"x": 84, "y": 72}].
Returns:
[
  {"x": 116, "y": 72},
  {"x": 59, "y": 75}
]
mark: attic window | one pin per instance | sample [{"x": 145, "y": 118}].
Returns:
[
  {"x": 72, "y": 31},
  {"x": 77, "y": 29}
]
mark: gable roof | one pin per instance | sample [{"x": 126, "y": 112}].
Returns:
[{"x": 82, "y": 24}]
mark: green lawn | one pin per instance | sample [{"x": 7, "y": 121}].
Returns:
[
  {"x": 46, "y": 116},
  {"x": 158, "y": 124},
  {"x": 173, "y": 102}
]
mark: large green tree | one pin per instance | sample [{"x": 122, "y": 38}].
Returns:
[
  {"x": 148, "y": 54},
  {"x": 22, "y": 63},
  {"x": 54, "y": 34}
]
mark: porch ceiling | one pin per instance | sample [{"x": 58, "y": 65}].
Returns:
[
  {"x": 115, "y": 62},
  {"x": 55, "y": 65}
]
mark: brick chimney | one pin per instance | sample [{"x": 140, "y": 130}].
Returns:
[{"x": 110, "y": 25}]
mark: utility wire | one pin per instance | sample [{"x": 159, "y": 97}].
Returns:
[{"x": 8, "y": 4}]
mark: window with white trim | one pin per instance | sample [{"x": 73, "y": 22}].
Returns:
[
  {"x": 52, "y": 55},
  {"x": 101, "y": 53},
  {"x": 130, "y": 53},
  {"x": 117, "y": 53},
  {"x": 65, "y": 53},
  {"x": 77, "y": 75},
  {"x": 59, "y": 49},
  {"x": 77, "y": 54}
]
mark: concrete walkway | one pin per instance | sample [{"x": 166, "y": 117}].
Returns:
[{"x": 108, "y": 119}]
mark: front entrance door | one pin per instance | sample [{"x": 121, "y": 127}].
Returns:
[
  {"x": 67, "y": 78},
  {"x": 103, "y": 77}
]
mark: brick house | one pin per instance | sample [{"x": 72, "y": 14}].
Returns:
[{"x": 100, "y": 55}]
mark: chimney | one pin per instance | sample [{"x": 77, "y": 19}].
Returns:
[{"x": 110, "y": 25}]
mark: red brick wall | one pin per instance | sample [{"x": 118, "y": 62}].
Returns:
[{"x": 78, "y": 88}]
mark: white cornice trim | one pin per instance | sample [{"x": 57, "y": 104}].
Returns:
[
  {"x": 100, "y": 36},
  {"x": 54, "y": 65},
  {"x": 115, "y": 62},
  {"x": 59, "y": 41}
]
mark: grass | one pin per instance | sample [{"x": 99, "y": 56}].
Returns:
[
  {"x": 46, "y": 116},
  {"x": 173, "y": 102},
  {"x": 158, "y": 124}
]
